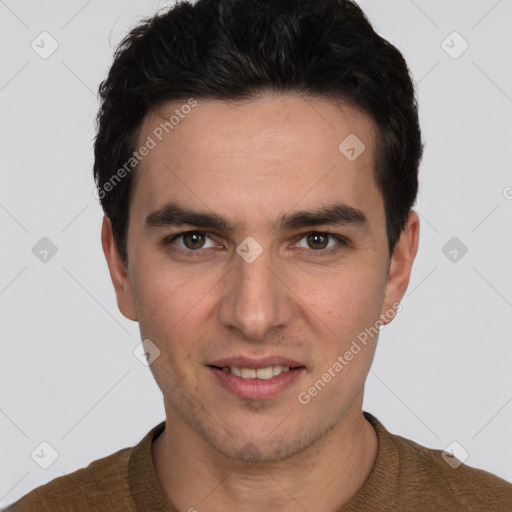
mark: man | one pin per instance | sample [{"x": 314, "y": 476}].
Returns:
[{"x": 257, "y": 164}]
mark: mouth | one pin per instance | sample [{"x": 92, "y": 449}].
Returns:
[{"x": 256, "y": 379}]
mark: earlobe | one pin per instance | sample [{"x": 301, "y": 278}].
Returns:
[
  {"x": 120, "y": 278},
  {"x": 400, "y": 267}
]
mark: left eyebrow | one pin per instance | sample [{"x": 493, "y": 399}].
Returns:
[{"x": 339, "y": 214}]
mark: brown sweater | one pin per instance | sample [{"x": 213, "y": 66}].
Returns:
[{"x": 405, "y": 477}]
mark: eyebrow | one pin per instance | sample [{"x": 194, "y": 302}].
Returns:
[
  {"x": 172, "y": 214},
  {"x": 339, "y": 214}
]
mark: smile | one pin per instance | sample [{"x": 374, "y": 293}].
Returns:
[
  {"x": 254, "y": 381},
  {"x": 256, "y": 373}
]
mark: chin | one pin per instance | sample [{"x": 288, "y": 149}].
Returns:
[{"x": 261, "y": 448}]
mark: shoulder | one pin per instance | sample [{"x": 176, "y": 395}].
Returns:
[
  {"x": 409, "y": 476},
  {"x": 103, "y": 482},
  {"x": 435, "y": 472}
]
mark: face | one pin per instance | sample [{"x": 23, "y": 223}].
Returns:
[{"x": 256, "y": 245}]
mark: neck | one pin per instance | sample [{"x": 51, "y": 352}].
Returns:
[{"x": 322, "y": 478}]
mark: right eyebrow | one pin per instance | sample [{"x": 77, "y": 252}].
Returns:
[{"x": 172, "y": 214}]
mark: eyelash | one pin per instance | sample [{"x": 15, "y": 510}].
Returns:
[{"x": 342, "y": 242}]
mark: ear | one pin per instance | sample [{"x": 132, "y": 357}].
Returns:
[
  {"x": 400, "y": 267},
  {"x": 120, "y": 278}
]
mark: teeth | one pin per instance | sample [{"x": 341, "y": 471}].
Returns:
[
  {"x": 248, "y": 373},
  {"x": 264, "y": 373},
  {"x": 261, "y": 373}
]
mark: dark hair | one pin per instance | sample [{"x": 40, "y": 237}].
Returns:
[{"x": 238, "y": 49}]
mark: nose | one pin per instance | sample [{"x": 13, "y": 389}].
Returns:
[{"x": 256, "y": 300}]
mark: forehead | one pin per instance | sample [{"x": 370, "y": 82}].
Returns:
[{"x": 256, "y": 158}]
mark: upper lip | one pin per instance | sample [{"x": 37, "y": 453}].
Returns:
[{"x": 255, "y": 363}]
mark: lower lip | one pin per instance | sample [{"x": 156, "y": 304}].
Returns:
[{"x": 257, "y": 388}]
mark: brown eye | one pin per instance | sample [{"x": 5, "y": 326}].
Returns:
[
  {"x": 317, "y": 240},
  {"x": 193, "y": 240},
  {"x": 190, "y": 243},
  {"x": 321, "y": 243}
]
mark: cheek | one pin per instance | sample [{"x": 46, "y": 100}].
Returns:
[
  {"x": 171, "y": 302},
  {"x": 345, "y": 299},
  {"x": 161, "y": 301},
  {"x": 170, "y": 312},
  {"x": 349, "y": 307}
]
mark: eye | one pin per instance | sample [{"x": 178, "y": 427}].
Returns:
[
  {"x": 320, "y": 241},
  {"x": 192, "y": 240}
]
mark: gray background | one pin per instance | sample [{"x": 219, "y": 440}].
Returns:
[{"x": 68, "y": 375}]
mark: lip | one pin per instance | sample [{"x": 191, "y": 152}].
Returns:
[
  {"x": 256, "y": 389},
  {"x": 255, "y": 363}
]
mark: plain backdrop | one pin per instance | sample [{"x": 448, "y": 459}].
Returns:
[{"x": 68, "y": 375}]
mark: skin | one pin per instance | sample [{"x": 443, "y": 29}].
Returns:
[{"x": 251, "y": 162}]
